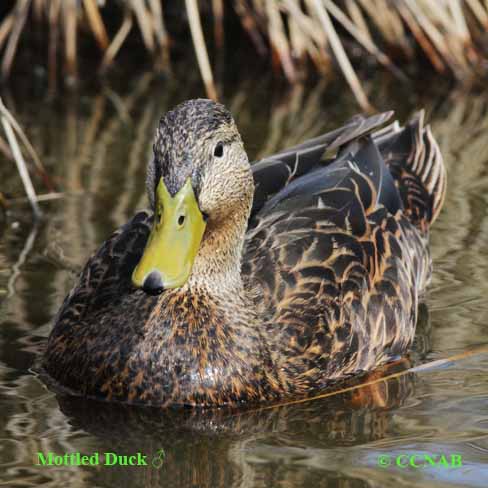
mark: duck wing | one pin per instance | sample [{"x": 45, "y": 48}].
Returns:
[
  {"x": 275, "y": 172},
  {"x": 106, "y": 277},
  {"x": 336, "y": 250}
]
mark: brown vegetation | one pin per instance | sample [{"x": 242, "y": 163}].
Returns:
[{"x": 452, "y": 35}]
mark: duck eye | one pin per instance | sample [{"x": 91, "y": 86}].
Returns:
[
  {"x": 219, "y": 150},
  {"x": 181, "y": 220}
]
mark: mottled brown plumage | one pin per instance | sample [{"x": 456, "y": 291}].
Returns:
[{"x": 309, "y": 271}]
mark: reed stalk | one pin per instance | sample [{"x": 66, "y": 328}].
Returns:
[
  {"x": 200, "y": 48},
  {"x": 6, "y": 117},
  {"x": 452, "y": 34}
]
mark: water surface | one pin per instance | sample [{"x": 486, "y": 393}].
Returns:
[{"x": 95, "y": 143}]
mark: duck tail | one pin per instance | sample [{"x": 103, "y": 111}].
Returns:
[{"x": 416, "y": 164}]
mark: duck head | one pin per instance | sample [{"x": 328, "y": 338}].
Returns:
[{"x": 200, "y": 186}]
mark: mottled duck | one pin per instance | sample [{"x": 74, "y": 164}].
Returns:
[{"x": 253, "y": 282}]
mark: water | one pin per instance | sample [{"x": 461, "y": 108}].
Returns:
[{"x": 94, "y": 144}]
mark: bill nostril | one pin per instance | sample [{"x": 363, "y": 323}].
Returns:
[{"x": 153, "y": 284}]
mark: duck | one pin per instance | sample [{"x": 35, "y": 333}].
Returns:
[{"x": 252, "y": 283}]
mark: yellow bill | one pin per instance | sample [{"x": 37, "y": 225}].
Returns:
[{"x": 174, "y": 239}]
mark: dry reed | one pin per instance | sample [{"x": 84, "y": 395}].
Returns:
[
  {"x": 11, "y": 128},
  {"x": 451, "y": 33}
]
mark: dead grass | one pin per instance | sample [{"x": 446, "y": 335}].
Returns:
[{"x": 452, "y": 34}]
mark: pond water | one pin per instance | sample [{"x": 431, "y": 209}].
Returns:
[{"x": 94, "y": 143}]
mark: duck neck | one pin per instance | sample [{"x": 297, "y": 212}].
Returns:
[{"x": 217, "y": 267}]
